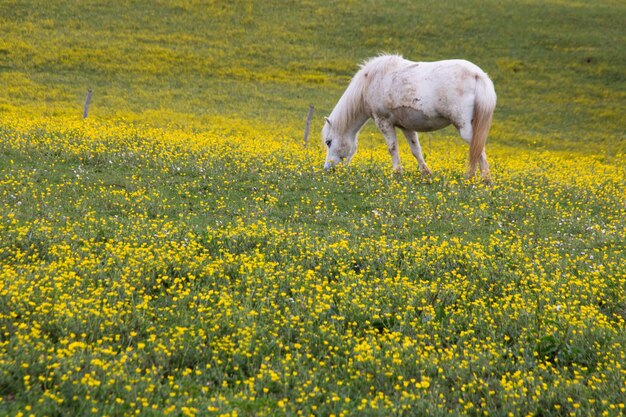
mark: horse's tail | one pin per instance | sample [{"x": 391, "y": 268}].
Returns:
[{"x": 484, "y": 105}]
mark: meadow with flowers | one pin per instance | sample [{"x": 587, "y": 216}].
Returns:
[{"x": 181, "y": 252}]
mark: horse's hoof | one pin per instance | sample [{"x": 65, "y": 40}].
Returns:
[{"x": 426, "y": 173}]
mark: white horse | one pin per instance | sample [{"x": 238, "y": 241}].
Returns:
[{"x": 415, "y": 97}]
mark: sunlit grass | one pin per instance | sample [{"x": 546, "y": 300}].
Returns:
[{"x": 188, "y": 274}]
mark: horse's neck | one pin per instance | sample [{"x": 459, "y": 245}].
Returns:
[
  {"x": 354, "y": 123},
  {"x": 350, "y": 112}
]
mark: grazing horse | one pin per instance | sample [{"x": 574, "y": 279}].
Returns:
[{"x": 415, "y": 97}]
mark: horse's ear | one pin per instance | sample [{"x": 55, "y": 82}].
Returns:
[{"x": 328, "y": 121}]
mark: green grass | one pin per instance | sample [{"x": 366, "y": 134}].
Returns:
[
  {"x": 258, "y": 286},
  {"x": 558, "y": 67},
  {"x": 181, "y": 253}
]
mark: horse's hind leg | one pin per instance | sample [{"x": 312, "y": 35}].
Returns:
[
  {"x": 389, "y": 132},
  {"x": 466, "y": 134},
  {"x": 484, "y": 166},
  {"x": 416, "y": 150}
]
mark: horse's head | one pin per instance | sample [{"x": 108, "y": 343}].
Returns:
[{"x": 339, "y": 146}]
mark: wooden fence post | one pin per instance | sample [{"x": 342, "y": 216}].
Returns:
[{"x": 87, "y": 100}]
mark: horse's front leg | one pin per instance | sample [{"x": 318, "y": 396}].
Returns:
[
  {"x": 416, "y": 150},
  {"x": 389, "y": 132}
]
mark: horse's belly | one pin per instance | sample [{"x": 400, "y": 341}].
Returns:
[{"x": 418, "y": 120}]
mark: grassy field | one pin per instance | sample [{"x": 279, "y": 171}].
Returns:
[{"x": 180, "y": 252}]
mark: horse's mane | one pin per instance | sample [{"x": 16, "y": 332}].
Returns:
[{"x": 351, "y": 104}]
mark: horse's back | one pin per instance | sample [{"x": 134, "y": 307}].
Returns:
[
  {"x": 411, "y": 84},
  {"x": 386, "y": 65},
  {"x": 446, "y": 71}
]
